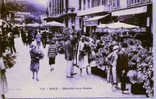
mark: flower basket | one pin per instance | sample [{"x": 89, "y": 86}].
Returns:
[{"x": 9, "y": 60}]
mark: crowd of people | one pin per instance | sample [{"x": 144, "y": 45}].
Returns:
[
  {"x": 116, "y": 52},
  {"x": 119, "y": 53},
  {"x": 140, "y": 62},
  {"x": 7, "y": 55}
]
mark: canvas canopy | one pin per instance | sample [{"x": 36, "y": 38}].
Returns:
[{"x": 54, "y": 23}]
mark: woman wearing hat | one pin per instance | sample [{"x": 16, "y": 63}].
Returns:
[{"x": 35, "y": 55}]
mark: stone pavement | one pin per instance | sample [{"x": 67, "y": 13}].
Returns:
[{"x": 54, "y": 84}]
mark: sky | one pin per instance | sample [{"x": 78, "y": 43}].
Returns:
[
  {"x": 41, "y": 2},
  {"x": 38, "y": 2}
]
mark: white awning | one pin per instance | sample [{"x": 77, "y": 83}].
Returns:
[
  {"x": 130, "y": 11},
  {"x": 97, "y": 18},
  {"x": 93, "y": 10},
  {"x": 3, "y": 21},
  {"x": 54, "y": 23},
  {"x": 117, "y": 25}
]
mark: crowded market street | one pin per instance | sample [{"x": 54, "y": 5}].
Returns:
[
  {"x": 55, "y": 83},
  {"x": 76, "y": 49}
]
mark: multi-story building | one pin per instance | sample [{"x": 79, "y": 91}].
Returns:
[
  {"x": 137, "y": 12},
  {"x": 92, "y": 13},
  {"x": 63, "y": 11},
  {"x": 87, "y": 14}
]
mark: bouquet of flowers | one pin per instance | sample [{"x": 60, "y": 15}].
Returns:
[{"x": 9, "y": 59}]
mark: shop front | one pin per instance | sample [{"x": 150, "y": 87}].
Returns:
[
  {"x": 90, "y": 24},
  {"x": 140, "y": 16}
]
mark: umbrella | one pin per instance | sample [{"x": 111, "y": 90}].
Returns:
[
  {"x": 33, "y": 25},
  {"x": 3, "y": 21},
  {"x": 118, "y": 24},
  {"x": 19, "y": 25},
  {"x": 54, "y": 23},
  {"x": 102, "y": 26}
]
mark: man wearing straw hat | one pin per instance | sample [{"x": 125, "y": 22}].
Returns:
[{"x": 112, "y": 57}]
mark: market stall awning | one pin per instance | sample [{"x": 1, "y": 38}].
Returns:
[
  {"x": 117, "y": 25},
  {"x": 102, "y": 26},
  {"x": 19, "y": 25},
  {"x": 3, "y": 21},
  {"x": 33, "y": 25},
  {"x": 54, "y": 23},
  {"x": 97, "y": 18},
  {"x": 93, "y": 10},
  {"x": 121, "y": 25}
]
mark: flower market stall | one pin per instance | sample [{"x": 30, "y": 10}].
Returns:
[{"x": 139, "y": 54}]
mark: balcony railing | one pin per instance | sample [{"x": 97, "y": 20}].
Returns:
[{"x": 131, "y": 3}]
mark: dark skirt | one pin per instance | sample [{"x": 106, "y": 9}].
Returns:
[
  {"x": 51, "y": 60},
  {"x": 81, "y": 55},
  {"x": 34, "y": 67}
]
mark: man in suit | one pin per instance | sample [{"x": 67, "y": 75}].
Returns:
[{"x": 122, "y": 67}]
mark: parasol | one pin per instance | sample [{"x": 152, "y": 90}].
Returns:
[
  {"x": 33, "y": 25},
  {"x": 102, "y": 26},
  {"x": 118, "y": 24},
  {"x": 54, "y": 23},
  {"x": 3, "y": 21}
]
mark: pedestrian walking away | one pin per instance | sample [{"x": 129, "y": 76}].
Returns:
[
  {"x": 122, "y": 67},
  {"x": 36, "y": 54},
  {"x": 52, "y": 52},
  {"x": 69, "y": 57}
]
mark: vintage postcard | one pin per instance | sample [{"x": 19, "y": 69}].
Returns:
[{"x": 79, "y": 49}]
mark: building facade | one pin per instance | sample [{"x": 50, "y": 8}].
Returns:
[
  {"x": 63, "y": 11},
  {"x": 137, "y": 12},
  {"x": 92, "y": 13},
  {"x": 87, "y": 14}
]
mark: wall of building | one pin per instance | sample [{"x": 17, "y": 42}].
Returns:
[
  {"x": 122, "y": 4},
  {"x": 87, "y": 4},
  {"x": 55, "y": 7},
  {"x": 74, "y": 4}
]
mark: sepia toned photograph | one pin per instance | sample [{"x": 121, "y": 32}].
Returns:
[{"x": 76, "y": 49}]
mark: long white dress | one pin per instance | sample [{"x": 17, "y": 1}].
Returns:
[
  {"x": 3, "y": 80},
  {"x": 81, "y": 60}
]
